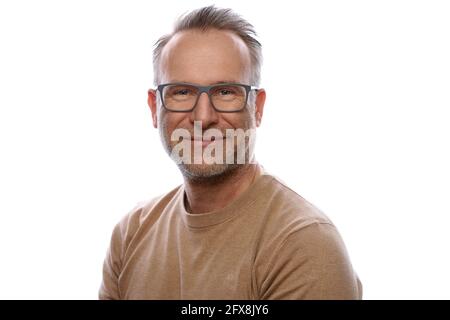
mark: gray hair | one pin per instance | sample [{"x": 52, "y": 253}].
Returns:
[{"x": 211, "y": 17}]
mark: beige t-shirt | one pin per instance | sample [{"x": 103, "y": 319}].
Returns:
[{"x": 270, "y": 243}]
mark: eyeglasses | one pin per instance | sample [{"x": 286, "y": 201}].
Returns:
[{"x": 224, "y": 97}]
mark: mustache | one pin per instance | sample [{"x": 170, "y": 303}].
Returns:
[{"x": 224, "y": 132}]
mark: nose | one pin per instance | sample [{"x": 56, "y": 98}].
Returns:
[{"x": 204, "y": 112}]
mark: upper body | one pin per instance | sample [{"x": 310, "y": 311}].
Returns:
[
  {"x": 230, "y": 231},
  {"x": 270, "y": 243}
]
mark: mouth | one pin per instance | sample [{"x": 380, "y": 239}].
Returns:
[{"x": 207, "y": 141}]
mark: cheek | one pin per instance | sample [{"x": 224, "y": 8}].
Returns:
[
  {"x": 171, "y": 121},
  {"x": 243, "y": 119}
]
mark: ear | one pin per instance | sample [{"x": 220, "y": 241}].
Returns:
[
  {"x": 151, "y": 100},
  {"x": 259, "y": 105}
]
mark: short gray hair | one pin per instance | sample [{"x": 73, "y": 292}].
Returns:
[{"x": 211, "y": 17}]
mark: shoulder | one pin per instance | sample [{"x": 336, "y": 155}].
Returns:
[
  {"x": 301, "y": 253},
  {"x": 287, "y": 212},
  {"x": 140, "y": 214},
  {"x": 307, "y": 228},
  {"x": 311, "y": 263},
  {"x": 288, "y": 219}
]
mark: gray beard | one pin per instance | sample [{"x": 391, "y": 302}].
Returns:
[
  {"x": 207, "y": 172},
  {"x": 203, "y": 172}
]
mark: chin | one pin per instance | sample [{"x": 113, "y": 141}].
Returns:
[{"x": 205, "y": 171}]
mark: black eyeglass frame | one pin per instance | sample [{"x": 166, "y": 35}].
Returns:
[{"x": 207, "y": 90}]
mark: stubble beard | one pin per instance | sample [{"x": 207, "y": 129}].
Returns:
[{"x": 204, "y": 172}]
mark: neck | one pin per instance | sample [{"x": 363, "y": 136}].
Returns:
[{"x": 210, "y": 195}]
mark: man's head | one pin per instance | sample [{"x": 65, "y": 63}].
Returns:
[{"x": 208, "y": 46}]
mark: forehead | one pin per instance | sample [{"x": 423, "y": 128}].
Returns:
[{"x": 205, "y": 57}]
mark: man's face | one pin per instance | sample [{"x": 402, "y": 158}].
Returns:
[{"x": 206, "y": 58}]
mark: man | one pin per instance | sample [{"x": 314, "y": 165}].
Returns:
[{"x": 231, "y": 230}]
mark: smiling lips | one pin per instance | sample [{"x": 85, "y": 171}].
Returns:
[{"x": 206, "y": 142}]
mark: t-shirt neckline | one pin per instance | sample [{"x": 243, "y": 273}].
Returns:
[{"x": 239, "y": 205}]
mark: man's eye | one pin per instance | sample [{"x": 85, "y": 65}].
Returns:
[
  {"x": 181, "y": 92},
  {"x": 225, "y": 92}
]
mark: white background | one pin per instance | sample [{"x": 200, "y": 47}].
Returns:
[{"x": 356, "y": 121}]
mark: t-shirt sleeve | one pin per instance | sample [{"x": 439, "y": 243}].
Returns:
[
  {"x": 109, "y": 289},
  {"x": 312, "y": 264}
]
